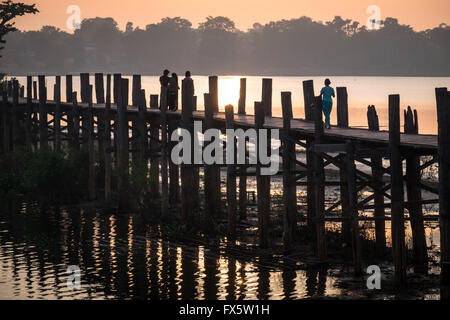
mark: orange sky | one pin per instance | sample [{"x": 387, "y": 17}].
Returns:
[{"x": 420, "y": 14}]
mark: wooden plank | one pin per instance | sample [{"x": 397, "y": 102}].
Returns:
[{"x": 330, "y": 148}]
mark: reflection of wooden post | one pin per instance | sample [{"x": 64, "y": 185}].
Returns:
[
  {"x": 377, "y": 174},
  {"x": 43, "y": 128},
  {"x": 308, "y": 94},
  {"x": 414, "y": 195},
  {"x": 57, "y": 118},
  {"x": 353, "y": 208},
  {"x": 289, "y": 186},
  {"x": 342, "y": 122},
  {"x": 107, "y": 144},
  {"x": 443, "y": 111},
  {"x": 397, "y": 205},
  {"x": 263, "y": 184},
  {"x": 231, "y": 177},
  {"x": 319, "y": 184}
]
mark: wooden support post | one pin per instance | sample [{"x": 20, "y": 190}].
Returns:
[
  {"x": 136, "y": 89},
  {"x": 57, "y": 116},
  {"x": 22, "y": 92},
  {"x": 35, "y": 91},
  {"x": 165, "y": 155},
  {"x": 107, "y": 144},
  {"x": 443, "y": 111},
  {"x": 90, "y": 120},
  {"x": 414, "y": 194},
  {"x": 214, "y": 92},
  {"x": 231, "y": 177},
  {"x": 14, "y": 114},
  {"x": 123, "y": 144},
  {"x": 377, "y": 174},
  {"x": 75, "y": 117},
  {"x": 154, "y": 145},
  {"x": 308, "y": 94},
  {"x": 319, "y": 184},
  {"x": 142, "y": 127},
  {"x": 28, "y": 112},
  {"x": 69, "y": 88},
  {"x": 6, "y": 122},
  {"x": 212, "y": 172},
  {"x": 342, "y": 107},
  {"x": 116, "y": 86},
  {"x": 174, "y": 170},
  {"x": 187, "y": 175},
  {"x": 84, "y": 85},
  {"x": 397, "y": 202},
  {"x": 263, "y": 184},
  {"x": 99, "y": 88},
  {"x": 43, "y": 128},
  {"x": 289, "y": 186},
  {"x": 266, "y": 99},
  {"x": 342, "y": 122},
  {"x": 353, "y": 208},
  {"x": 242, "y": 96}
]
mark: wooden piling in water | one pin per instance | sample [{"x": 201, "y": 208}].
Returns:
[
  {"x": 231, "y": 177},
  {"x": 92, "y": 175},
  {"x": 353, "y": 208},
  {"x": 174, "y": 170},
  {"x": 308, "y": 95},
  {"x": 266, "y": 99},
  {"x": 289, "y": 186},
  {"x": 214, "y": 92},
  {"x": 187, "y": 176},
  {"x": 319, "y": 184},
  {"x": 84, "y": 85},
  {"x": 69, "y": 88},
  {"x": 142, "y": 127},
  {"x": 443, "y": 112},
  {"x": 99, "y": 88},
  {"x": 342, "y": 122},
  {"x": 57, "y": 114},
  {"x": 154, "y": 159},
  {"x": 397, "y": 192},
  {"x": 6, "y": 122},
  {"x": 123, "y": 145},
  {"x": 414, "y": 195},
  {"x": 43, "y": 128},
  {"x": 14, "y": 114},
  {"x": 28, "y": 112},
  {"x": 74, "y": 123},
  {"x": 116, "y": 86},
  {"x": 377, "y": 174},
  {"x": 35, "y": 91},
  {"x": 242, "y": 96},
  {"x": 107, "y": 141},
  {"x": 165, "y": 155},
  {"x": 263, "y": 185}
]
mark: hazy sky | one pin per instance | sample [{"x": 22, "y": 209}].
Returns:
[{"x": 420, "y": 14}]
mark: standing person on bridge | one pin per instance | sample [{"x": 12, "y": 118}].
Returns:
[
  {"x": 327, "y": 93},
  {"x": 173, "y": 92},
  {"x": 164, "y": 81}
]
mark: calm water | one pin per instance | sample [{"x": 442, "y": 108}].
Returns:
[
  {"x": 417, "y": 92},
  {"x": 128, "y": 257}
]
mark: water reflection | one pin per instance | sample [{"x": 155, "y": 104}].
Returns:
[{"x": 123, "y": 258}]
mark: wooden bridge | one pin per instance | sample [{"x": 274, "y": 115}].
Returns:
[{"x": 75, "y": 124}]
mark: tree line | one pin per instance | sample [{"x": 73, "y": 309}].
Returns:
[{"x": 286, "y": 47}]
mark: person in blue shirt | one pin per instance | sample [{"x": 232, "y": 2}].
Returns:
[{"x": 327, "y": 93}]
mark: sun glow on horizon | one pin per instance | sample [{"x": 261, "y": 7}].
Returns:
[{"x": 229, "y": 91}]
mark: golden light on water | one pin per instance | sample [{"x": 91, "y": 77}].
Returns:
[{"x": 229, "y": 91}]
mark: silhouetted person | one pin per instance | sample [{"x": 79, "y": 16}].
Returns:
[
  {"x": 187, "y": 92},
  {"x": 164, "y": 81},
  {"x": 327, "y": 102},
  {"x": 173, "y": 92}
]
